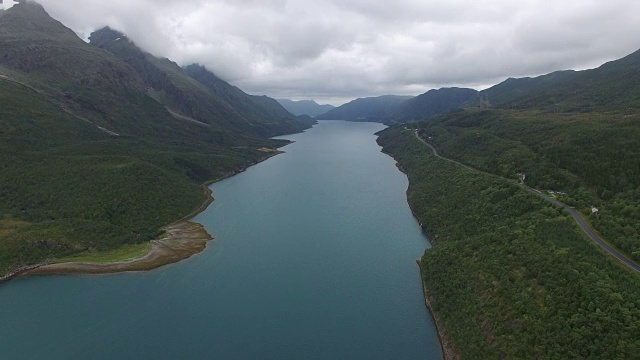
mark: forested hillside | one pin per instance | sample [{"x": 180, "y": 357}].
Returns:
[
  {"x": 100, "y": 148},
  {"x": 510, "y": 275},
  {"x": 590, "y": 159},
  {"x": 614, "y": 86}
]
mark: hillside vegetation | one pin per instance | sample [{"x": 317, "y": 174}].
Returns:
[
  {"x": 591, "y": 159},
  {"x": 612, "y": 86},
  {"x": 102, "y": 147},
  {"x": 71, "y": 187},
  {"x": 510, "y": 275}
]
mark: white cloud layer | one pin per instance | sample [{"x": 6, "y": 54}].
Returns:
[{"x": 336, "y": 50}]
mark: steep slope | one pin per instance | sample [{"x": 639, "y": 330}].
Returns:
[
  {"x": 34, "y": 43},
  {"x": 434, "y": 102},
  {"x": 259, "y": 108},
  {"x": 215, "y": 102},
  {"x": 90, "y": 83},
  {"x": 612, "y": 86},
  {"x": 506, "y": 92},
  {"x": 511, "y": 276},
  {"x": 272, "y": 106},
  {"x": 88, "y": 160},
  {"x": 305, "y": 107},
  {"x": 376, "y": 109}
]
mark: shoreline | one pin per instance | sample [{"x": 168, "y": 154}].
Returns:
[
  {"x": 18, "y": 272},
  {"x": 181, "y": 240},
  {"x": 432, "y": 238},
  {"x": 448, "y": 352}
]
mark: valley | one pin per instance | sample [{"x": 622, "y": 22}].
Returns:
[{"x": 302, "y": 220}]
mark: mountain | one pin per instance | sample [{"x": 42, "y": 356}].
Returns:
[
  {"x": 260, "y": 108},
  {"x": 42, "y": 53},
  {"x": 102, "y": 144},
  {"x": 305, "y": 107},
  {"x": 613, "y": 86},
  {"x": 506, "y": 92},
  {"x": 36, "y": 44},
  {"x": 390, "y": 108},
  {"x": 196, "y": 93},
  {"x": 375, "y": 109},
  {"x": 433, "y": 102}
]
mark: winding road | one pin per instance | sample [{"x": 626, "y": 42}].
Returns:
[{"x": 574, "y": 213}]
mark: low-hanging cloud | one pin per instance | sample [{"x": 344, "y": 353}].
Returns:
[{"x": 336, "y": 50}]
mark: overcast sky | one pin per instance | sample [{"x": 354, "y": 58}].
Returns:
[{"x": 337, "y": 50}]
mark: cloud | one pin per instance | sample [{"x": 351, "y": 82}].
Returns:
[{"x": 336, "y": 50}]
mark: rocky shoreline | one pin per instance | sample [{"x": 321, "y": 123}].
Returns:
[
  {"x": 181, "y": 241},
  {"x": 18, "y": 272}
]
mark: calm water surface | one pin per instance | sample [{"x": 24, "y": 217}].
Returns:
[{"x": 314, "y": 258}]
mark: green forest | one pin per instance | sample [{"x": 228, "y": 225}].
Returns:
[
  {"x": 68, "y": 187},
  {"x": 586, "y": 159},
  {"x": 511, "y": 275}
]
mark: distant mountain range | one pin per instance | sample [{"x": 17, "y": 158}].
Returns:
[
  {"x": 613, "y": 86},
  {"x": 377, "y": 109},
  {"x": 305, "y": 107},
  {"x": 390, "y": 109}
]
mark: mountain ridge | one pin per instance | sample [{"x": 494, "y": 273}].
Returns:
[
  {"x": 197, "y": 93},
  {"x": 374, "y": 109},
  {"x": 611, "y": 85},
  {"x": 433, "y": 102},
  {"x": 305, "y": 107}
]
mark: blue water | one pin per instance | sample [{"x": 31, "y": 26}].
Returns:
[{"x": 314, "y": 258}]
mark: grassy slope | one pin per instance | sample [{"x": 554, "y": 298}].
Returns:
[{"x": 511, "y": 275}]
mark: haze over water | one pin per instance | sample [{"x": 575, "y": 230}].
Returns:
[{"x": 314, "y": 258}]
